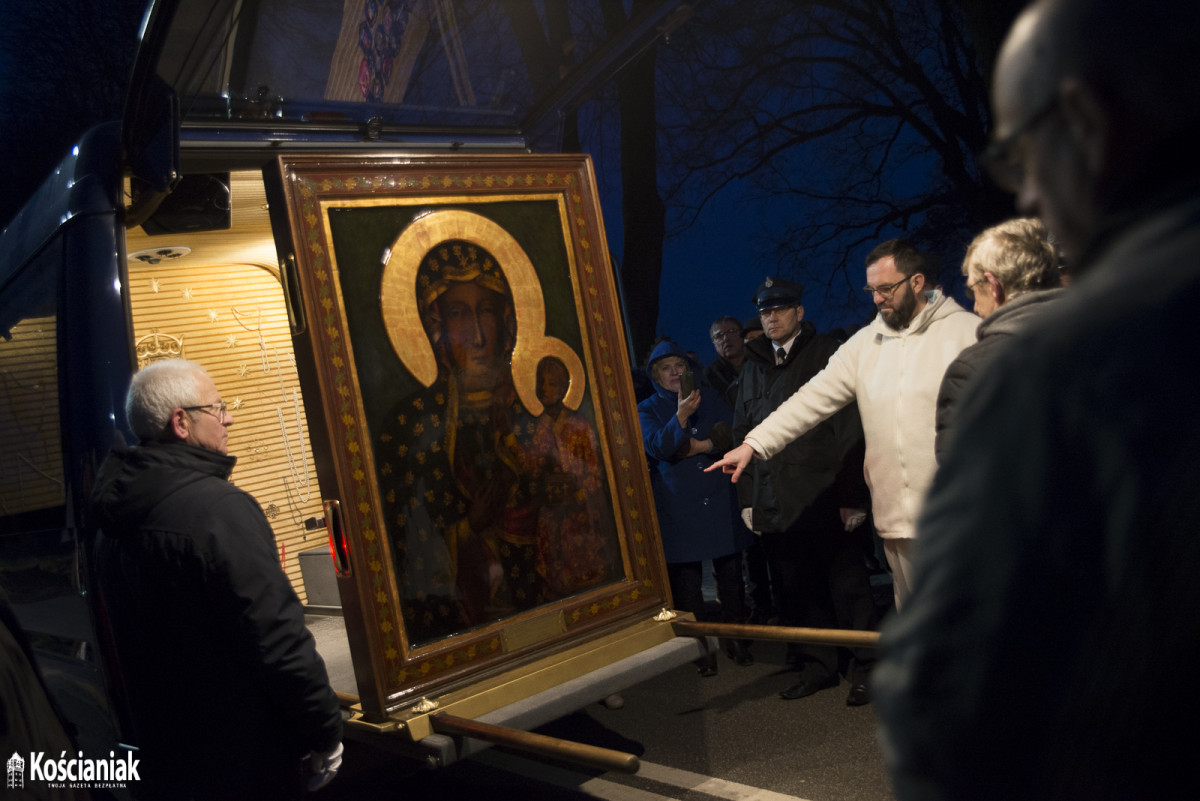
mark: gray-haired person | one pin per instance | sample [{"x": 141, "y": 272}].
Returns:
[
  {"x": 1012, "y": 273},
  {"x": 227, "y": 694}
]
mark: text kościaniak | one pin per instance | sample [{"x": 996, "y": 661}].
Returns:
[{"x": 80, "y": 769}]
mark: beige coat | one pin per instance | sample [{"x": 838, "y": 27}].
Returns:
[{"x": 894, "y": 376}]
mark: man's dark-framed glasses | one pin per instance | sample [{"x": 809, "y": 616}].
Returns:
[
  {"x": 884, "y": 291},
  {"x": 217, "y": 410},
  {"x": 999, "y": 159}
]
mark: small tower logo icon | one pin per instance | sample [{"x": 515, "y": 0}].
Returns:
[{"x": 16, "y": 772}]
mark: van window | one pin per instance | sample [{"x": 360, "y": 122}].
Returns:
[
  {"x": 36, "y": 559},
  {"x": 458, "y": 65},
  {"x": 31, "y": 463}
]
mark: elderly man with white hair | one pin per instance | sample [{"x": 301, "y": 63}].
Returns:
[
  {"x": 1012, "y": 271},
  {"x": 227, "y": 694}
]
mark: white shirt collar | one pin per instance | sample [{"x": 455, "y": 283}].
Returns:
[{"x": 787, "y": 346}]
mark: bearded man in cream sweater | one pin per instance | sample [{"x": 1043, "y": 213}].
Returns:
[{"x": 893, "y": 369}]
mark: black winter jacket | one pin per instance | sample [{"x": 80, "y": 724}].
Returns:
[
  {"x": 995, "y": 332},
  {"x": 722, "y": 376},
  {"x": 224, "y": 684},
  {"x": 825, "y": 464}
]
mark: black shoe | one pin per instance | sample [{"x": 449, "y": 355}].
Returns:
[
  {"x": 806, "y": 687},
  {"x": 859, "y": 695},
  {"x": 707, "y": 666},
  {"x": 739, "y": 652}
]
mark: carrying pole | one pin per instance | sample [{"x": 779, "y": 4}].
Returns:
[
  {"x": 589, "y": 756},
  {"x": 539, "y": 745},
  {"x": 850, "y": 638}
]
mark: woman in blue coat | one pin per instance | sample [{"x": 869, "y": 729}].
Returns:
[{"x": 697, "y": 511}]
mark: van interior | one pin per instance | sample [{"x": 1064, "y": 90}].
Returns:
[{"x": 215, "y": 297}]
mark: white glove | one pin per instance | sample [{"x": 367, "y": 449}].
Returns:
[
  {"x": 747, "y": 518},
  {"x": 323, "y": 766},
  {"x": 853, "y": 518}
]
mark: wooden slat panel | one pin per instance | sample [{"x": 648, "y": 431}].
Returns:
[{"x": 232, "y": 320}]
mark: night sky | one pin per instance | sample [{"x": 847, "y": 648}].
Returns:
[
  {"x": 715, "y": 268},
  {"x": 710, "y": 269}
]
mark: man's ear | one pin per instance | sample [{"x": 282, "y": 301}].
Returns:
[
  {"x": 799, "y": 312},
  {"x": 994, "y": 286},
  {"x": 920, "y": 287},
  {"x": 179, "y": 425},
  {"x": 1088, "y": 124}
]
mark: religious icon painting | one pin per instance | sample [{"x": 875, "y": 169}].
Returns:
[{"x": 479, "y": 416}]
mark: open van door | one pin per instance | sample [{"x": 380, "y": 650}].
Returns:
[{"x": 336, "y": 209}]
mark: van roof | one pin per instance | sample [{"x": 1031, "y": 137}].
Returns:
[{"x": 383, "y": 69}]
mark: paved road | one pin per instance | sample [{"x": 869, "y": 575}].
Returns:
[{"x": 728, "y": 737}]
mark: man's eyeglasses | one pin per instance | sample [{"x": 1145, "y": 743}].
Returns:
[
  {"x": 886, "y": 290},
  {"x": 732, "y": 332},
  {"x": 1000, "y": 159},
  {"x": 217, "y": 410}
]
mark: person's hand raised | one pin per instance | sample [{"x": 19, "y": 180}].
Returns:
[{"x": 687, "y": 407}]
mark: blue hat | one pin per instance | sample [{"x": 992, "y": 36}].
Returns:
[
  {"x": 776, "y": 292},
  {"x": 668, "y": 348}
]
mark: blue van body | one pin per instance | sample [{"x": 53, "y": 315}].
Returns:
[{"x": 62, "y": 260}]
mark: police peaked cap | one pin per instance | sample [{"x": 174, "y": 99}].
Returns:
[{"x": 776, "y": 292}]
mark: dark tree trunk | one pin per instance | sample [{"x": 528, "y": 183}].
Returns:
[{"x": 642, "y": 208}]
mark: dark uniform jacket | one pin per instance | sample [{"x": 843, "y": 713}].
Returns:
[
  {"x": 782, "y": 488},
  {"x": 226, "y": 690}
]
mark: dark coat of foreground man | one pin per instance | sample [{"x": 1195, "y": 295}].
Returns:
[
  {"x": 226, "y": 688},
  {"x": 1040, "y": 654},
  {"x": 1045, "y": 648}
]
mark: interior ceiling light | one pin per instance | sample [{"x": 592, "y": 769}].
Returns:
[{"x": 156, "y": 255}]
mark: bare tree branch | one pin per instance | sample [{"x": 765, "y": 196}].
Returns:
[{"x": 863, "y": 114}]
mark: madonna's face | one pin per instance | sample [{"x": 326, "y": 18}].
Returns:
[{"x": 474, "y": 334}]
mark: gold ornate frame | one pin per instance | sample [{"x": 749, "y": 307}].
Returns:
[{"x": 355, "y": 221}]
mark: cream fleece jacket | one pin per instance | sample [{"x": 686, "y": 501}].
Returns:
[{"x": 894, "y": 376}]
